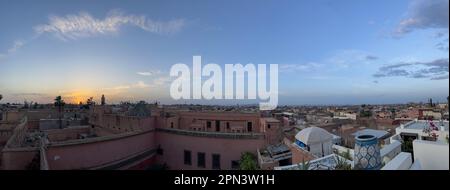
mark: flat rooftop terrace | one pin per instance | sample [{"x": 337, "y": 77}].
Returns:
[{"x": 421, "y": 124}]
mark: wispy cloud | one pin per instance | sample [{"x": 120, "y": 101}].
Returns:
[
  {"x": 148, "y": 73},
  {"x": 348, "y": 57},
  {"x": 139, "y": 84},
  {"x": 81, "y": 25},
  {"x": 434, "y": 70},
  {"x": 16, "y": 46},
  {"x": 338, "y": 60},
  {"x": 145, "y": 73},
  {"x": 299, "y": 67},
  {"x": 423, "y": 14},
  {"x": 371, "y": 57},
  {"x": 159, "y": 82}
]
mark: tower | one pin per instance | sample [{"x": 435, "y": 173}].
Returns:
[{"x": 103, "y": 101}]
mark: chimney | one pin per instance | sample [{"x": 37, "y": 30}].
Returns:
[{"x": 367, "y": 153}]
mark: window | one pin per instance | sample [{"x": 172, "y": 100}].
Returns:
[
  {"x": 228, "y": 125},
  {"x": 268, "y": 126},
  {"x": 208, "y": 124},
  {"x": 217, "y": 125},
  {"x": 249, "y": 126},
  {"x": 171, "y": 124},
  {"x": 187, "y": 157},
  {"x": 201, "y": 160},
  {"x": 235, "y": 164},
  {"x": 216, "y": 161}
]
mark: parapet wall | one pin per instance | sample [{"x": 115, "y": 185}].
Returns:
[
  {"x": 95, "y": 152},
  {"x": 173, "y": 145},
  {"x": 17, "y": 159}
]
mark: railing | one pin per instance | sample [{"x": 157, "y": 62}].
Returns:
[{"x": 213, "y": 134}]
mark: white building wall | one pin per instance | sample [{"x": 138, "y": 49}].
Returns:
[
  {"x": 402, "y": 161},
  {"x": 441, "y": 133},
  {"x": 390, "y": 151},
  {"x": 316, "y": 149},
  {"x": 431, "y": 155},
  {"x": 343, "y": 150}
]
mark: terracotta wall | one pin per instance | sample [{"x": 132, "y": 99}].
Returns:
[
  {"x": 197, "y": 121},
  {"x": 67, "y": 133},
  {"x": 120, "y": 124},
  {"x": 300, "y": 156},
  {"x": 173, "y": 146},
  {"x": 17, "y": 159},
  {"x": 93, "y": 154}
]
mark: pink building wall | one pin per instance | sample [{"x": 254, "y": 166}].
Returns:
[
  {"x": 299, "y": 155},
  {"x": 17, "y": 159},
  {"x": 173, "y": 146},
  {"x": 228, "y": 122},
  {"x": 67, "y": 134},
  {"x": 86, "y": 155},
  {"x": 271, "y": 130}
]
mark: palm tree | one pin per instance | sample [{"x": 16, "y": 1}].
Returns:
[{"x": 60, "y": 104}]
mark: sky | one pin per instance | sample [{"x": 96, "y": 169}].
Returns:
[{"x": 328, "y": 52}]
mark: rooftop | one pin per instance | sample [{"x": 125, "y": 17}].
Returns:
[
  {"x": 312, "y": 135},
  {"x": 325, "y": 163},
  {"x": 421, "y": 124},
  {"x": 278, "y": 149},
  {"x": 271, "y": 120}
]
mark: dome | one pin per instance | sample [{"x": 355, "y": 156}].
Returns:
[{"x": 313, "y": 135}]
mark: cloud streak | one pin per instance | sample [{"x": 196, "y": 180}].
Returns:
[
  {"x": 423, "y": 14},
  {"x": 83, "y": 25},
  {"x": 16, "y": 46},
  {"x": 434, "y": 70},
  {"x": 148, "y": 73},
  {"x": 145, "y": 73},
  {"x": 299, "y": 67},
  {"x": 71, "y": 27},
  {"x": 339, "y": 60}
]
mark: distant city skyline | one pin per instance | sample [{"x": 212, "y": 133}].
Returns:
[{"x": 329, "y": 52}]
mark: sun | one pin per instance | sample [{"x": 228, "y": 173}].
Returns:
[{"x": 77, "y": 96}]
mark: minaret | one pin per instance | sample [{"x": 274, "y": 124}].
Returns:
[{"x": 103, "y": 101}]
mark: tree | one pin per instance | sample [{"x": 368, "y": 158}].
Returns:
[
  {"x": 345, "y": 154},
  {"x": 1, "y": 97},
  {"x": 407, "y": 145},
  {"x": 248, "y": 162},
  {"x": 341, "y": 163},
  {"x": 59, "y": 102},
  {"x": 90, "y": 101}
]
